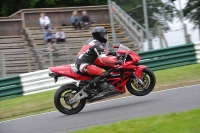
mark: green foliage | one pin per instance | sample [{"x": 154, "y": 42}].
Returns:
[
  {"x": 192, "y": 12},
  {"x": 158, "y": 12},
  {"x": 8, "y": 7}
]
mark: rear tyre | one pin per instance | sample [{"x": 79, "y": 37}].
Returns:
[
  {"x": 136, "y": 88},
  {"x": 62, "y": 96}
]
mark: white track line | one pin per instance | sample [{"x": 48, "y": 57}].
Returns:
[{"x": 101, "y": 102}]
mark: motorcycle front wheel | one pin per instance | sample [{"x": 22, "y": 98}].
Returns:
[
  {"x": 149, "y": 80},
  {"x": 61, "y": 100}
]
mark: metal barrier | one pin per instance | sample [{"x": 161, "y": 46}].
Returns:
[
  {"x": 197, "y": 50},
  {"x": 2, "y": 65},
  {"x": 10, "y": 87},
  {"x": 30, "y": 83},
  {"x": 40, "y": 81},
  {"x": 169, "y": 57},
  {"x": 127, "y": 23},
  {"x": 46, "y": 58}
]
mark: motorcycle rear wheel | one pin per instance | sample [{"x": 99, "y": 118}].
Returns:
[
  {"x": 134, "y": 87},
  {"x": 62, "y": 96}
]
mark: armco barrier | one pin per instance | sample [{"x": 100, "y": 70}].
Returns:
[
  {"x": 10, "y": 87},
  {"x": 169, "y": 57},
  {"x": 197, "y": 50},
  {"x": 39, "y": 81},
  {"x": 29, "y": 83}
]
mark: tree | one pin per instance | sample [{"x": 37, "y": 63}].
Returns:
[
  {"x": 158, "y": 12},
  {"x": 8, "y": 7},
  {"x": 192, "y": 12}
]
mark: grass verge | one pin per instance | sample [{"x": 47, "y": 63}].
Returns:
[
  {"x": 43, "y": 102},
  {"x": 184, "y": 122}
]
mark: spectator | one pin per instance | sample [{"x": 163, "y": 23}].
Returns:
[
  {"x": 75, "y": 20},
  {"x": 48, "y": 36},
  {"x": 85, "y": 19},
  {"x": 60, "y": 36},
  {"x": 53, "y": 46},
  {"x": 44, "y": 21}
]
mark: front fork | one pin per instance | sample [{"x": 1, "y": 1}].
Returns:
[
  {"x": 138, "y": 79},
  {"x": 138, "y": 74}
]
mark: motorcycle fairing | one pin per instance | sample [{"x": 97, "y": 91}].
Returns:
[
  {"x": 135, "y": 57},
  {"x": 66, "y": 70},
  {"x": 138, "y": 69},
  {"x": 120, "y": 83}
]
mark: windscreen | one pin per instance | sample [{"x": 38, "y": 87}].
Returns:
[{"x": 122, "y": 47}]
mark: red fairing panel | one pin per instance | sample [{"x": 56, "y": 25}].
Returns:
[
  {"x": 135, "y": 57},
  {"x": 67, "y": 71},
  {"x": 138, "y": 71},
  {"x": 107, "y": 61}
]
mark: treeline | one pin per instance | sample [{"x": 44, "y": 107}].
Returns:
[{"x": 8, "y": 7}]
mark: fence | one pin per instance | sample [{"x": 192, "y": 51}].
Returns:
[
  {"x": 2, "y": 65},
  {"x": 60, "y": 56},
  {"x": 16, "y": 61},
  {"x": 29, "y": 83},
  {"x": 10, "y": 87},
  {"x": 120, "y": 19},
  {"x": 39, "y": 81},
  {"x": 150, "y": 16},
  {"x": 169, "y": 57}
]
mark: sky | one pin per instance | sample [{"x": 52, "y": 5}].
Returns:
[
  {"x": 183, "y": 3},
  {"x": 176, "y": 35}
]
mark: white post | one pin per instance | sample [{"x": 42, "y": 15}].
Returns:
[
  {"x": 50, "y": 55},
  {"x": 187, "y": 37},
  {"x": 3, "y": 65},
  {"x": 147, "y": 24},
  {"x": 111, "y": 21}
]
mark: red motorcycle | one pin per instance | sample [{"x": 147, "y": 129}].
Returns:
[{"x": 137, "y": 79}]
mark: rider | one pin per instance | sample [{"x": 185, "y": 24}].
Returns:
[{"x": 91, "y": 50}]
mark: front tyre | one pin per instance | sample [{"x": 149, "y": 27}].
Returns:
[
  {"x": 135, "y": 88},
  {"x": 61, "y": 100}
]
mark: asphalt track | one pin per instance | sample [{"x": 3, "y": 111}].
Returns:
[{"x": 174, "y": 100}]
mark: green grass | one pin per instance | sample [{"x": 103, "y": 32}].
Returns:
[
  {"x": 27, "y": 105},
  {"x": 177, "y": 77},
  {"x": 184, "y": 122},
  {"x": 43, "y": 102}
]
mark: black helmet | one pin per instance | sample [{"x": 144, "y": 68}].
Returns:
[{"x": 100, "y": 34}]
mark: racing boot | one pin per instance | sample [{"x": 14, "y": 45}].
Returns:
[{"x": 89, "y": 87}]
